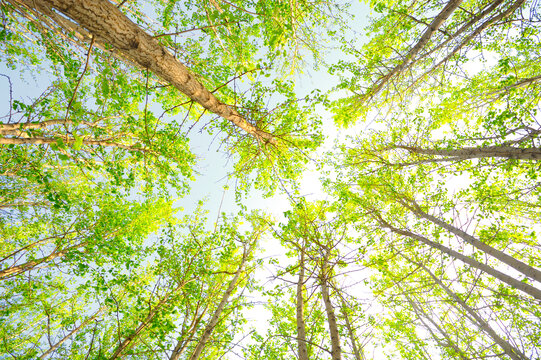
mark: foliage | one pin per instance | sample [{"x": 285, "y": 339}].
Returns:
[{"x": 425, "y": 247}]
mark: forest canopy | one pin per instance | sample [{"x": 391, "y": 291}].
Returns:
[{"x": 418, "y": 120}]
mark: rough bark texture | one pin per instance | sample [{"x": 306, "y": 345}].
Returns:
[
  {"x": 109, "y": 25},
  {"x": 216, "y": 316},
  {"x": 509, "y": 349},
  {"x": 509, "y": 152},
  {"x": 518, "y": 265},
  {"x": 511, "y": 281},
  {"x": 336, "y": 350},
  {"x": 301, "y": 329}
]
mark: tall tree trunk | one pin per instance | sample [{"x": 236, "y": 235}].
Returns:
[
  {"x": 336, "y": 350},
  {"x": 38, "y": 140},
  {"x": 29, "y": 265},
  {"x": 301, "y": 329},
  {"x": 358, "y": 353},
  {"x": 422, "y": 314},
  {"x": 518, "y": 265},
  {"x": 130, "y": 339},
  {"x": 73, "y": 332},
  {"x": 466, "y": 153},
  {"x": 514, "y": 283},
  {"x": 109, "y": 25},
  {"x": 183, "y": 343},
  {"x": 493, "y": 20},
  {"x": 436, "y": 23},
  {"x": 476, "y": 18},
  {"x": 509, "y": 349},
  {"x": 218, "y": 312}
]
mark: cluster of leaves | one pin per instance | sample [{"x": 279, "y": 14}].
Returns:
[{"x": 426, "y": 247}]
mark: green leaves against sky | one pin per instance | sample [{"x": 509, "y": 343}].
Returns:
[{"x": 422, "y": 244}]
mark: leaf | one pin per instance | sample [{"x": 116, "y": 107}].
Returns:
[{"x": 78, "y": 144}]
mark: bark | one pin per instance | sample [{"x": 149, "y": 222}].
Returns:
[
  {"x": 218, "y": 312},
  {"x": 109, "y": 25},
  {"x": 518, "y": 265},
  {"x": 47, "y": 141},
  {"x": 466, "y": 153},
  {"x": 29, "y": 265},
  {"x": 71, "y": 333},
  {"x": 422, "y": 314},
  {"x": 34, "y": 125},
  {"x": 475, "y": 33},
  {"x": 436, "y": 23},
  {"x": 336, "y": 350},
  {"x": 514, "y": 283},
  {"x": 301, "y": 329},
  {"x": 182, "y": 344},
  {"x": 358, "y": 353},
  {"x": 465, "y": 27},
  {"x": 509, "y": 349},
  {"x": 127, "y": 342}
]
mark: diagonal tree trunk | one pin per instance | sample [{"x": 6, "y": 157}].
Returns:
[
  {"x": 509, "y": 280},
  {"x": 422, "y": 314},
  {"x": 29, "y": 265},
  {"x": 107, "y": 24},
  {"x": 518, "y": 265},
  {"x": 509, "y": 349},
  {"x": 436, "y": 23},
  {"x": 466, "y": 153},
  {"x": 357, "y": 352},
  {"x": 73, "y": 332},
  {"x": 133, "y": 336},
  {"x": 218, "y": 312},
  {"x": 494, "y": 20}
]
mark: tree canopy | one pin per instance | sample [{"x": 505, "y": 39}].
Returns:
[{"x": 419, "y": 120}]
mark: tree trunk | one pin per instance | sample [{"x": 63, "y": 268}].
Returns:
[
  {"x": 73, "y": 332},
  {"x": 40, "y": 125},
  {"x": 127, "y": 342},
  {"x": 514, "y": 283},
  {"x": 183, "y": 343},
  {"x": 29, "y": 265},
  {"x": 216, "y": 316},
  {"x": 436, "y": 23},
  {"x": 358, "y": 353},
  {"x": 476, "y": 32},
  {"x": 48, "y": 141},
  {"x": 421, "y": 313},
  {"x": 518, "y": 265},
  {"x": 509, "y": 349},
  {"x": 301, "y": 329},
  {"x": 478, "y": 17},
  {"x": 108, "y": 24},
  {"x": 466, "y": 153},
  {"x": 336, "y": 351}
]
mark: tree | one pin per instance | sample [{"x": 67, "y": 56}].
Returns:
[
  {"x": 106, "y": 24},
  {"x": 426, "y": 246},
  {"x": 416, "y": 48}
]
